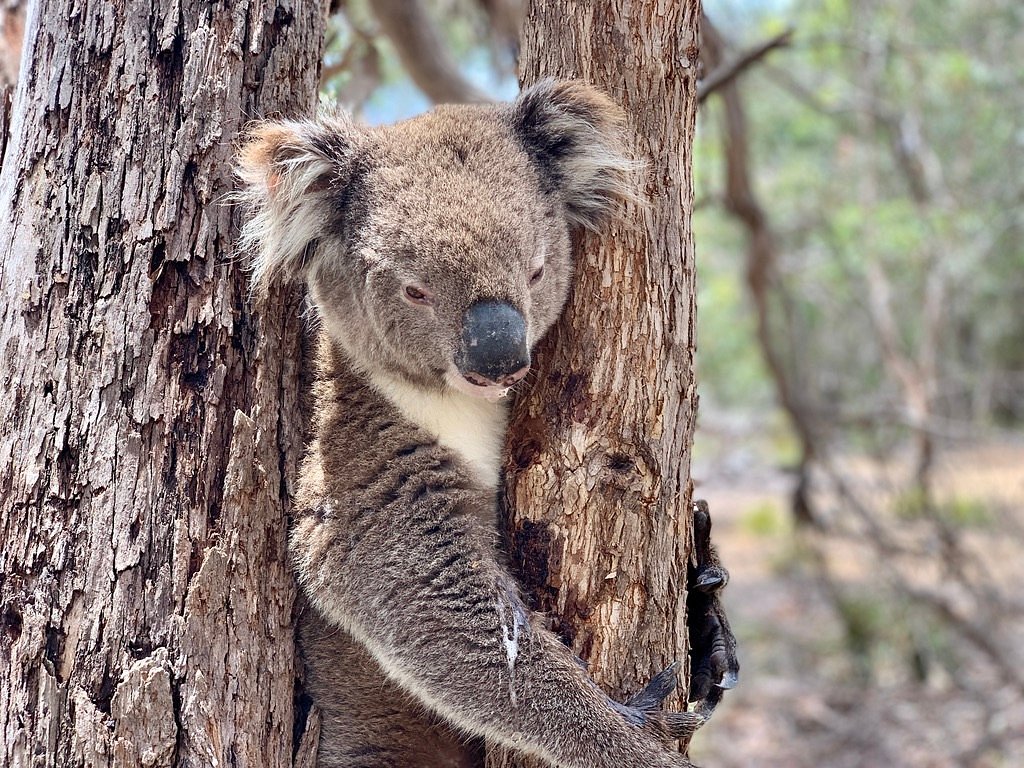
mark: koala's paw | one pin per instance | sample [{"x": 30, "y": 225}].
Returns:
[
  {"x": 714, "y": 667},
  {"x": 644, "y": 709}
]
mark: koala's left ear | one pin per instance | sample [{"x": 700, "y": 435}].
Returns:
[
  {"x": 577, "y": 138},
  {"x": 289, "y": 171}
]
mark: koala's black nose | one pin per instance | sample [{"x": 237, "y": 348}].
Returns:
[{"x": 494, "y": 349}]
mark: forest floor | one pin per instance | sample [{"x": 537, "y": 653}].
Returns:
[{"x": 844, "y": 671}]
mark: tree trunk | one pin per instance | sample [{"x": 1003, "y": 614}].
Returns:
[
  {"x": 151, "y": 423},
  {"x": 597, "y": 481}
]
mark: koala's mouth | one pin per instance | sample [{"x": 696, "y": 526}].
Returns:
[{"x": 475, "y": 386}]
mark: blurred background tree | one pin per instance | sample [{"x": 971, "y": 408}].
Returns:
[{"x": 860, "y": 259}]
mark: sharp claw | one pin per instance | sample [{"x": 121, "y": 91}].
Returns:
[
  {"x": 729, "y": 681},
  {"x": 713, "y": 644},
  {"x": 656, "y": 691},
  {"x": 708, "y": 581},
  {"x": 708, "y": 704}
]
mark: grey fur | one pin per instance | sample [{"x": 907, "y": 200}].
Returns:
[{"x": 417, "y": 633}]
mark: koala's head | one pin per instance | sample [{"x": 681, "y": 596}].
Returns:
[{"x": 436, "y": 250}]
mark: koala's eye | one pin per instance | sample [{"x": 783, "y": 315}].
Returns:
[
  {"x": 418, "y": 295},
  {"x": 537, "y": 275}
]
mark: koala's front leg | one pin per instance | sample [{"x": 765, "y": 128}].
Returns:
[
  {"x": 714, "y": 666},
  {"x": 366, "y": 721},
  {"x": 417, "y": 583}
]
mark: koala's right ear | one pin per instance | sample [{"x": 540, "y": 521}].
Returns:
[{"x": 288, "y": 171}]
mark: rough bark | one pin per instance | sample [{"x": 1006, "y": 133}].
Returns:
[
  {"x": 150, "y": 418},
  {"x": 597, "y": 480}
]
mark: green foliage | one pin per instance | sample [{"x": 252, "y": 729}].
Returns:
[
  {"x": 911, "y": 504},
  {"x": 957, "y": 511},
  {"x": 891, "y": 133},
  {"x": 966, "y": 513},
  {"x": 727, "y": 357},
  {"x": 891, "y": 639},
  {"x": 866, "y": 619},
  {"x": 766, "y": 520}
]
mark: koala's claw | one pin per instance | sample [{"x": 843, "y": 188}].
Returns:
[
  {"x": 713, "y": 663},
  {"x": 711, "y": 580},
  {"x": 644, "y": 710},
  {"x": 729, "y": 681},
  {"x": 657, "y": 690}
]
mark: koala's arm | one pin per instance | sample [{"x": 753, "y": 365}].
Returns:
[{"x": 407, "y": 564}]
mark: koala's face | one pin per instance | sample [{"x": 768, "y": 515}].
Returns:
[{"x": 437, "y": 250}]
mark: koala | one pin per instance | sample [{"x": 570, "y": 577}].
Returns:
[{"x": 437, "y": 253}]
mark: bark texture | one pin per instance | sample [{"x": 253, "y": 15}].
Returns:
[
  {"x": 597, "y": 479},
  {"x": 151, "y": 422}
]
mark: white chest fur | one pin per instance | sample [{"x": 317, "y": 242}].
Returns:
[{"x": 471, "y": 426}]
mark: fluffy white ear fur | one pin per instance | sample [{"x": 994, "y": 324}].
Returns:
[
  {"x": 577, "y": 137},
  {"x": 286, "y": 167}
]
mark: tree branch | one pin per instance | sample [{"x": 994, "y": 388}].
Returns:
[
  {"x": 729, "y": 70},
  {"x": 506, "y": 20},
  {"x": 423, "y": 51}
]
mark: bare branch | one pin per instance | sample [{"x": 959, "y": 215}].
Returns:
[
  {"x": 506, "y": 18},
  {"x": 727, "y": 71},
  {"x": 360, "y": 61},
  {"x": 423, "y": 51}
]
